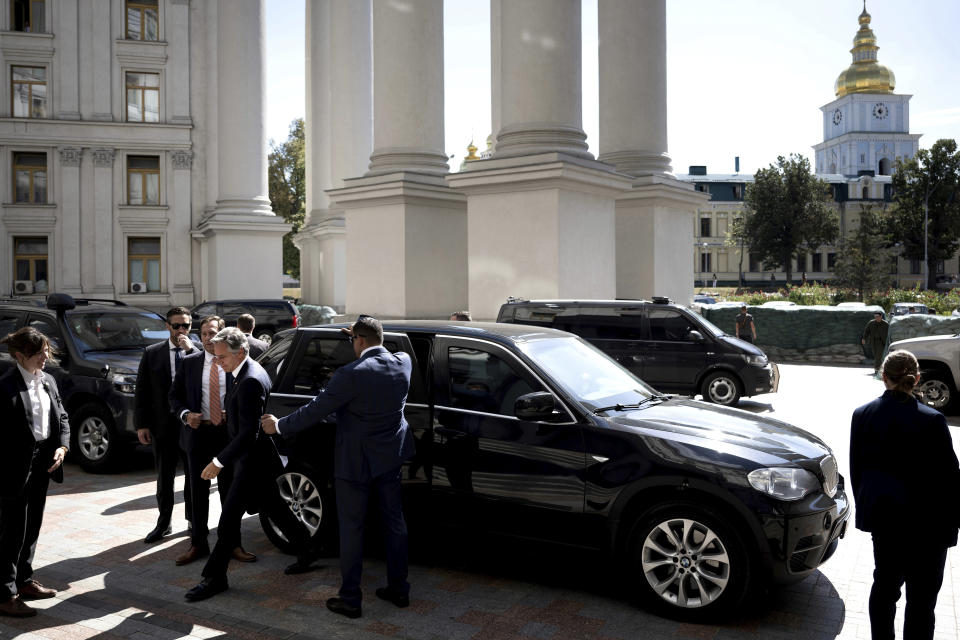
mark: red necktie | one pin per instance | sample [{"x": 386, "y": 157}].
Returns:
[{"x": 216, "y": 412}]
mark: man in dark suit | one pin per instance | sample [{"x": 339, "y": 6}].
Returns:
[
  {"x": 36, "y": 435},
  {"x": 368, "y": 396},
  {"x": 250, "y": 455},
  {"x": 246, "y": 323},
  {"x": 156, "y": 422},
  {"x": 197, "y": 399}
]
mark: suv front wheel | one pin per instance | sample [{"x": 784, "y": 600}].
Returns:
[
  {"x": 94, "y": 439},
  {"x": 936, "y": 389},
  {"x": 313, "y": 506},
  {"x": 721, "y": 387},
  {"x": 688, "y": 564}
]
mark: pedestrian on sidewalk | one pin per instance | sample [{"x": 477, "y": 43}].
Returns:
[
  {"x": 902, "y": 464},
  {"x": 745, "y": 329},
  {"x": 875, "y": 334},
  {"x": 36, "y": 436}
]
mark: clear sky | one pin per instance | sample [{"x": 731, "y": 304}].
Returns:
[{"x": 745, "y": 77}]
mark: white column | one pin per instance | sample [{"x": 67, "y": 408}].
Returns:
[
  {"x": 633, "y": 85},
  {"x": 178, "y": 69},
  {"x": 70, "y": 158},
  {"x": 179, "y": 267},
  {"x": 241, "y": 96},
  {"x": 68, "y": 56},
  {"x": 538, "y": 60},
  {"x": 408, "y": 87},
  {"x": 103, "y": 220},
  {"x": 102, "y": 68}
]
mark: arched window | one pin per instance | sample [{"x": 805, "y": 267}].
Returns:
[{"x": 884, "y": 167}]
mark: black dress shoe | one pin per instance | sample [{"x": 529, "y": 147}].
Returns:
[
  {"x": 302, "y": 565},
  {"x": 339, "y": 605},
  {"x": 399, "y": 599},
  {"x": 207, "y": 588},
  {"x": 162, "y": 529}
]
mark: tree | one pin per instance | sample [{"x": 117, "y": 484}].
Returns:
[
  {"x": 930, "y": 179},
  {"x": 737, "y": 238},
  {"x": 787, "y": 210},
  {"x": 286, "y": 181},
  {"x": 864, "y": 261}
]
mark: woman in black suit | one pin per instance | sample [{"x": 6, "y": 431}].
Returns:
[
  {"x": 905, "y": 480},
  {"x": 35, "y": 435}
]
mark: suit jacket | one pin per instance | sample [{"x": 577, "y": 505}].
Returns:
[
  {"x": 902, "y": 465},
  {"x": 16, "y": 453},
  {"x": 245, "y": 402},
  {"x": 151, "y": 399},
  {"x": 257, "y": 346},
  {"x": 186, "y": 394},
  {"x": 368, "y": 396}
]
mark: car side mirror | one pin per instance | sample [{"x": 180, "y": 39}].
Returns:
[
  {"x": 695, "y": 336},
  {"x": 539, "y": 405}
]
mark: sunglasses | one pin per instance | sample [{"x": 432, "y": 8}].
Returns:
[{"x": 179, "y": 325}]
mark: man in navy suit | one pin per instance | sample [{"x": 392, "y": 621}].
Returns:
[
  {"x": 156, "y": 423},
  {"x": 368, "y": 396},
  {"x": 197, "y": 399}
]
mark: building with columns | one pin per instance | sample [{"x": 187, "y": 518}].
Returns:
[
  {"x": 133, "y": 160},
  {"x": 390, "y": 231},
  {"x": 866, "y": 129}
]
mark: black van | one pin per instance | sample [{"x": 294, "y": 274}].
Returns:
[{"x": 666, "y": 345}]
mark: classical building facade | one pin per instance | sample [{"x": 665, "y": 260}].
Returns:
[
  {"x": 866, "y": 129},
  {"x": 391, "y": 231},
  {"x": 133, "y": 152}
]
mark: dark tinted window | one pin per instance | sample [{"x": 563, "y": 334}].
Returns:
[
  {"x": 205, "y": 310},
  {"x": 270, "y": 307},
  {"x": 232, "y": 310},
  {"x": 8, "y": 323},
  {"x": 323, "y": 356},
  {"x": 108, "y": 331},
  {"x": 603, "y": 323},
  {"x": 482, "y": 381},
  {"x": 669, "y": 324},
  {"x": 48, "y": 327},
  {"x": 273, "y": 357}
]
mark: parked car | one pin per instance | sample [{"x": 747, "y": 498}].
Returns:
[
  {"x": 271, "y": 315},
  {"x": 99, "y": 344},
  {"x": 939, "y": 359},
  {"x": 531, "y": 432},
  {"x": 666, "y": 345},
  {"x": 702, "y": 298},
  {"x": 903, "y": 308}
]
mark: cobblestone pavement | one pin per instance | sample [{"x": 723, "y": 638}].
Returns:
[{"x": 112, "y": 585}]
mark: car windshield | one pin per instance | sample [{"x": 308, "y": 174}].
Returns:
[
  {"x": 108, "y": 331},
  {"x": 586, "y": 373},
  {"x": 712, "y": 328}
]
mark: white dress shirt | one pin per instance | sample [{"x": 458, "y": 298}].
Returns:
[{"x": 39, "y": 408}]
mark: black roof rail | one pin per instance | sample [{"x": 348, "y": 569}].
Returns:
[
  {"x": 661, "y": 300},
  {"x": 33, "y": 301},
  {"x": 516, "y": 299},
  {"x": 87, "y": 301}
]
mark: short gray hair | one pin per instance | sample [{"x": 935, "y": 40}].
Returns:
[{"x": 235, "y": 340}]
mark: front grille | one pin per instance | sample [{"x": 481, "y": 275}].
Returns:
[{"x": 831, "y": 475}]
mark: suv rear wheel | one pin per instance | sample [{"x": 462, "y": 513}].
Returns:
[
  {"x": 721, "y": 387},
  {"x": 94, "y": 439},
  {"x": 688, "y": 563},
  {"x": 936, "y": 388},
  {"x": 266, "y": 336}
]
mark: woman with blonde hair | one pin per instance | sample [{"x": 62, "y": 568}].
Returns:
[{"x": 905, "y": 479}]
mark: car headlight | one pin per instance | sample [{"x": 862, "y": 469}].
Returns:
[
  {"x": 124, "y": 382},
  {"x": 784, "y": 483},
  {"x": 759, "y": 361}
]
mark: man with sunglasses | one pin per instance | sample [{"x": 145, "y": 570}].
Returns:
[{"x": 156, "y": 423}]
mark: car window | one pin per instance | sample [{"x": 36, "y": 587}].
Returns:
[
  {"x": 9, "y": 320},
  {"x": 205, "y": 310},
  {"x": 272, "y": 359},
  {"x": 232, "y": 310},
  {"x": 48, "y": 327},
  {"x": 270, "y": 307},
  {"x": 322, "y": 357},
  {"x": 604, "y": 323},
  {"x": 110, "y": 331},
  {"x": 482, "y": 381},
  {"x": 669, "y": 325}
]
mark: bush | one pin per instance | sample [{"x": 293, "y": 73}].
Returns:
[{"x": 943, "y": 302}]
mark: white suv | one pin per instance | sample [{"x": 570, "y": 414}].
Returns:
[{"x": 939, "y": 358}]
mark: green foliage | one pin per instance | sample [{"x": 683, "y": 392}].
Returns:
[
  {"x": 931, "y": 180},
  {"x": 286, "y": 182},
  {"x": 864, "y": 260},
  {"x": 943, "y": 302},
  {"x": 786, "y": 212}
]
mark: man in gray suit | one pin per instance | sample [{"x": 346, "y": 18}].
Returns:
[{"x": 368, "y": 396}]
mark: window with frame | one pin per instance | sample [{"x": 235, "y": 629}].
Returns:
[
  {"x": 142, "y": 20},
  {"x": 801, "y": 262},
  {"x": 817, "y": 262},
  {"x": 669, "y": 325},
  {"x": 28, "y": 92},
  {"x": 482, "y": 381},
  {"x": 143, "y": 180},
  {"x": 705, "y": 227},
  {"x": 831, "y": 261},
  {"x": 705, "y": 261},
  {"x": 29, "y": 16},
  {"x": 755, "y": 264},
  {"x": 143, "y": 262},
  {"x": 143, "y": 97},
  {"x": 30, "y": 260},
  {"x": 30, "y": 178}
]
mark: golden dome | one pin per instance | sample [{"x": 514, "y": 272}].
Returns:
[{"x": 865, "y": 74}]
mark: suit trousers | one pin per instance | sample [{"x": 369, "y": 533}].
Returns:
[
  {"x": 352, "y": 499},
  {"x": 920, "y": 566},
  {"x": 208, "y": 441},
  {"x": 20, "y": 520},
  {"x": 166, "y": 454}
]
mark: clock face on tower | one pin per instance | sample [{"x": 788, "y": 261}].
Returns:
[
  {"x": 880, "y": 111},
  {"x": 837, "y": 117}
]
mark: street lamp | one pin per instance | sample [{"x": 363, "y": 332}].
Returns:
[{"x": 703, "y": 277}]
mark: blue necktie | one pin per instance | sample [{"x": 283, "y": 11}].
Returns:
[{"x": 177, "y": 356}]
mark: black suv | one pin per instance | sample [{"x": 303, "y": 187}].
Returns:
[
  {"x": 535, "y": 433},
  {"x": 271, "y": 315},
  {"x": 666, "y": 345},
  {"x": 98, "y": 344}
]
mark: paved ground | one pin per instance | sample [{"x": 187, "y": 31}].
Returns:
[{"x": 114, "y": 586}]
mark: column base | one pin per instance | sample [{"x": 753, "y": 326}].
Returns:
[
  {"x": 639, "y": 163},
  {"x": 401, "y": 159},
  {"x": 323, "y": 259},
  {"x": 531, "y": 138},
  {"x": 241, "y": 255},
  {"x": 655, "y": 225},
  {"x": 243, "y": 206},
  {"x": 539, "y": 227},
  {"x": 406, "y": 246}
]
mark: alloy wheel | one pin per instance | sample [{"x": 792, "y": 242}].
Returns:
[{"x": 685, "y": 563}]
